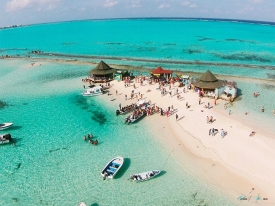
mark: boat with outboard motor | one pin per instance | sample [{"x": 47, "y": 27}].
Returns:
[
  {"x": 130, "y": 108},
  {"x": 5, "y": 139},
  {"x": 137, "y": 113},
  {"x": 139, "y": 177},
  {"x": 93, "y": 91},
  {"x": 5, "y": 125},
  {"x": 111, "y": 169}
]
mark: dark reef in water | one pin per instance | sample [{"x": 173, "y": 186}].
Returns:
[
  {"x": 99, "y": 117},
  {"x": 169, "y": 44},
  {"x": 115, "y": 43},
  {"x": 69, "y": 43},
  {"x": 244, "y": 57},
  {"x": 187, "y": 62},
  {"x": 61, "y": 76},
  {"x": 270, "y": 76},
  {"x": 146, "y": 48},
  {"x": 90, "y": 107},
  {"x": 81, "y": 101},
  {"x": 240, "y": 40},
  {"x": 206, "y": 39},
  {"x": 54, "y": 150},
  {"x": 192, "y": 50},
  {"x": 3, "y": 104},
  {"x": 268, "y": 86}
]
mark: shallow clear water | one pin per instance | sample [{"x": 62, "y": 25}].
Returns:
[
  {"x": 53, "y": 165},
  {"x": 211, "y": 41}
]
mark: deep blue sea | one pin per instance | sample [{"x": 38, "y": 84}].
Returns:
[{"x": 52, "y": 165}]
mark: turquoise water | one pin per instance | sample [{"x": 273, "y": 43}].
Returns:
[
  {"x": 212, "y": 41},
  {"x": 52, "y": 165}
]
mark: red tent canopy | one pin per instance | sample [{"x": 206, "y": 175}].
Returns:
[{"x": 159, "y": 70}]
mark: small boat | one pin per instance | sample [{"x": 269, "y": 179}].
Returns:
[
  {"x": 139, "y": 177},
  {"x": 5, "y": 139},
  {"x": 94, "y": 91},
  {"x": 137, "y": 114},
  {"x": 131, "y": 107},
  {"x": 112, "y": 167},
  {"x": 82, "y": 204},
  {"x": 131, "y": 118},
  {"x": 5, "y": 125}
]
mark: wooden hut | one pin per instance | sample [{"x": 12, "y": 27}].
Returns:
[
  {"x": 161, "y": 72},
  {"x": 102, "y": 73}
]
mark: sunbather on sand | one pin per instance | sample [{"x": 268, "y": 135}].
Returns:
[{"x": 252, "y": 133}]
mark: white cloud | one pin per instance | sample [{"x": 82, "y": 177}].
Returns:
[
  {"x": 162, "y": 6},
  {"x": 186, "y": 3},
  {"x": 14, "y": 5},
  {"x": 136, "y": 4},
  {"x": 256, "y": 1},
  {"x": 246, "y": 9},
  {"x": 109, "y": 3}
]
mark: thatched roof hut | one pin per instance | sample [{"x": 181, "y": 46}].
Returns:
[
  {"x": 102, "y": 72},
  {"x": 102, "y": 69},
  {"x": 207, "y": 81}
]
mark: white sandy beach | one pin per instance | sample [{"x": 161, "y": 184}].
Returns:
[{"x": 238, "y": 163}]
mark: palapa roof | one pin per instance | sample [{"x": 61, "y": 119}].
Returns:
[
  {"x": 208, "y": 81},
  {"x": 159, "y": 70},
  {"x": 102, "y": 68},
  {"x": 208, "y": 77}
]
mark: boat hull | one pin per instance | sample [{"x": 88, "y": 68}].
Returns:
[
  {"x": 143, "y": 176},
  {"x": 6, "y": 139},
  {"x": 5, "y": 125},
  {"x": 111, "y": 169},
  {"x": 91, "y": 95}
]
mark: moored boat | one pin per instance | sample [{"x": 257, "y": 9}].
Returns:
[
  {"x": 131, "y": 107},
  {"x": 139, "y": 177},
  {"x": 111, "y": 169},
  {"x": 94, "y": 91},
  {"x": 137, "y": 114},
  {"x": 5, "y": 139},
  {"x": 5, "y": 125}
]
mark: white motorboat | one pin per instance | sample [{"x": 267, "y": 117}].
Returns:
[
  {"x": 139, "y": 177},
  {"x": 5, "y": 125},
  {"x": 112, "y": 167},
  {"x": 5, "y": 139},
  {"x": 94, "y": 91},
  {"x": 82, "y": 204}
]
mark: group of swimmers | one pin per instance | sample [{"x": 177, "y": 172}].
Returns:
[
  {"x": 256, "y": 94},
  {"x": 90, "y": 137}
]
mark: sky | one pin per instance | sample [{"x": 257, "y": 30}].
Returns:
[{"x": 15, "y": 12}]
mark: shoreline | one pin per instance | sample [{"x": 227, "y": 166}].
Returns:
[
  {"x": 223, "y": 163},
  {"x": 226, "y": 164},
  {"x": 139, "y": 68}
]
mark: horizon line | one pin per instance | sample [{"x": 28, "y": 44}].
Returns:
[{"x": 159, "y": 18}]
